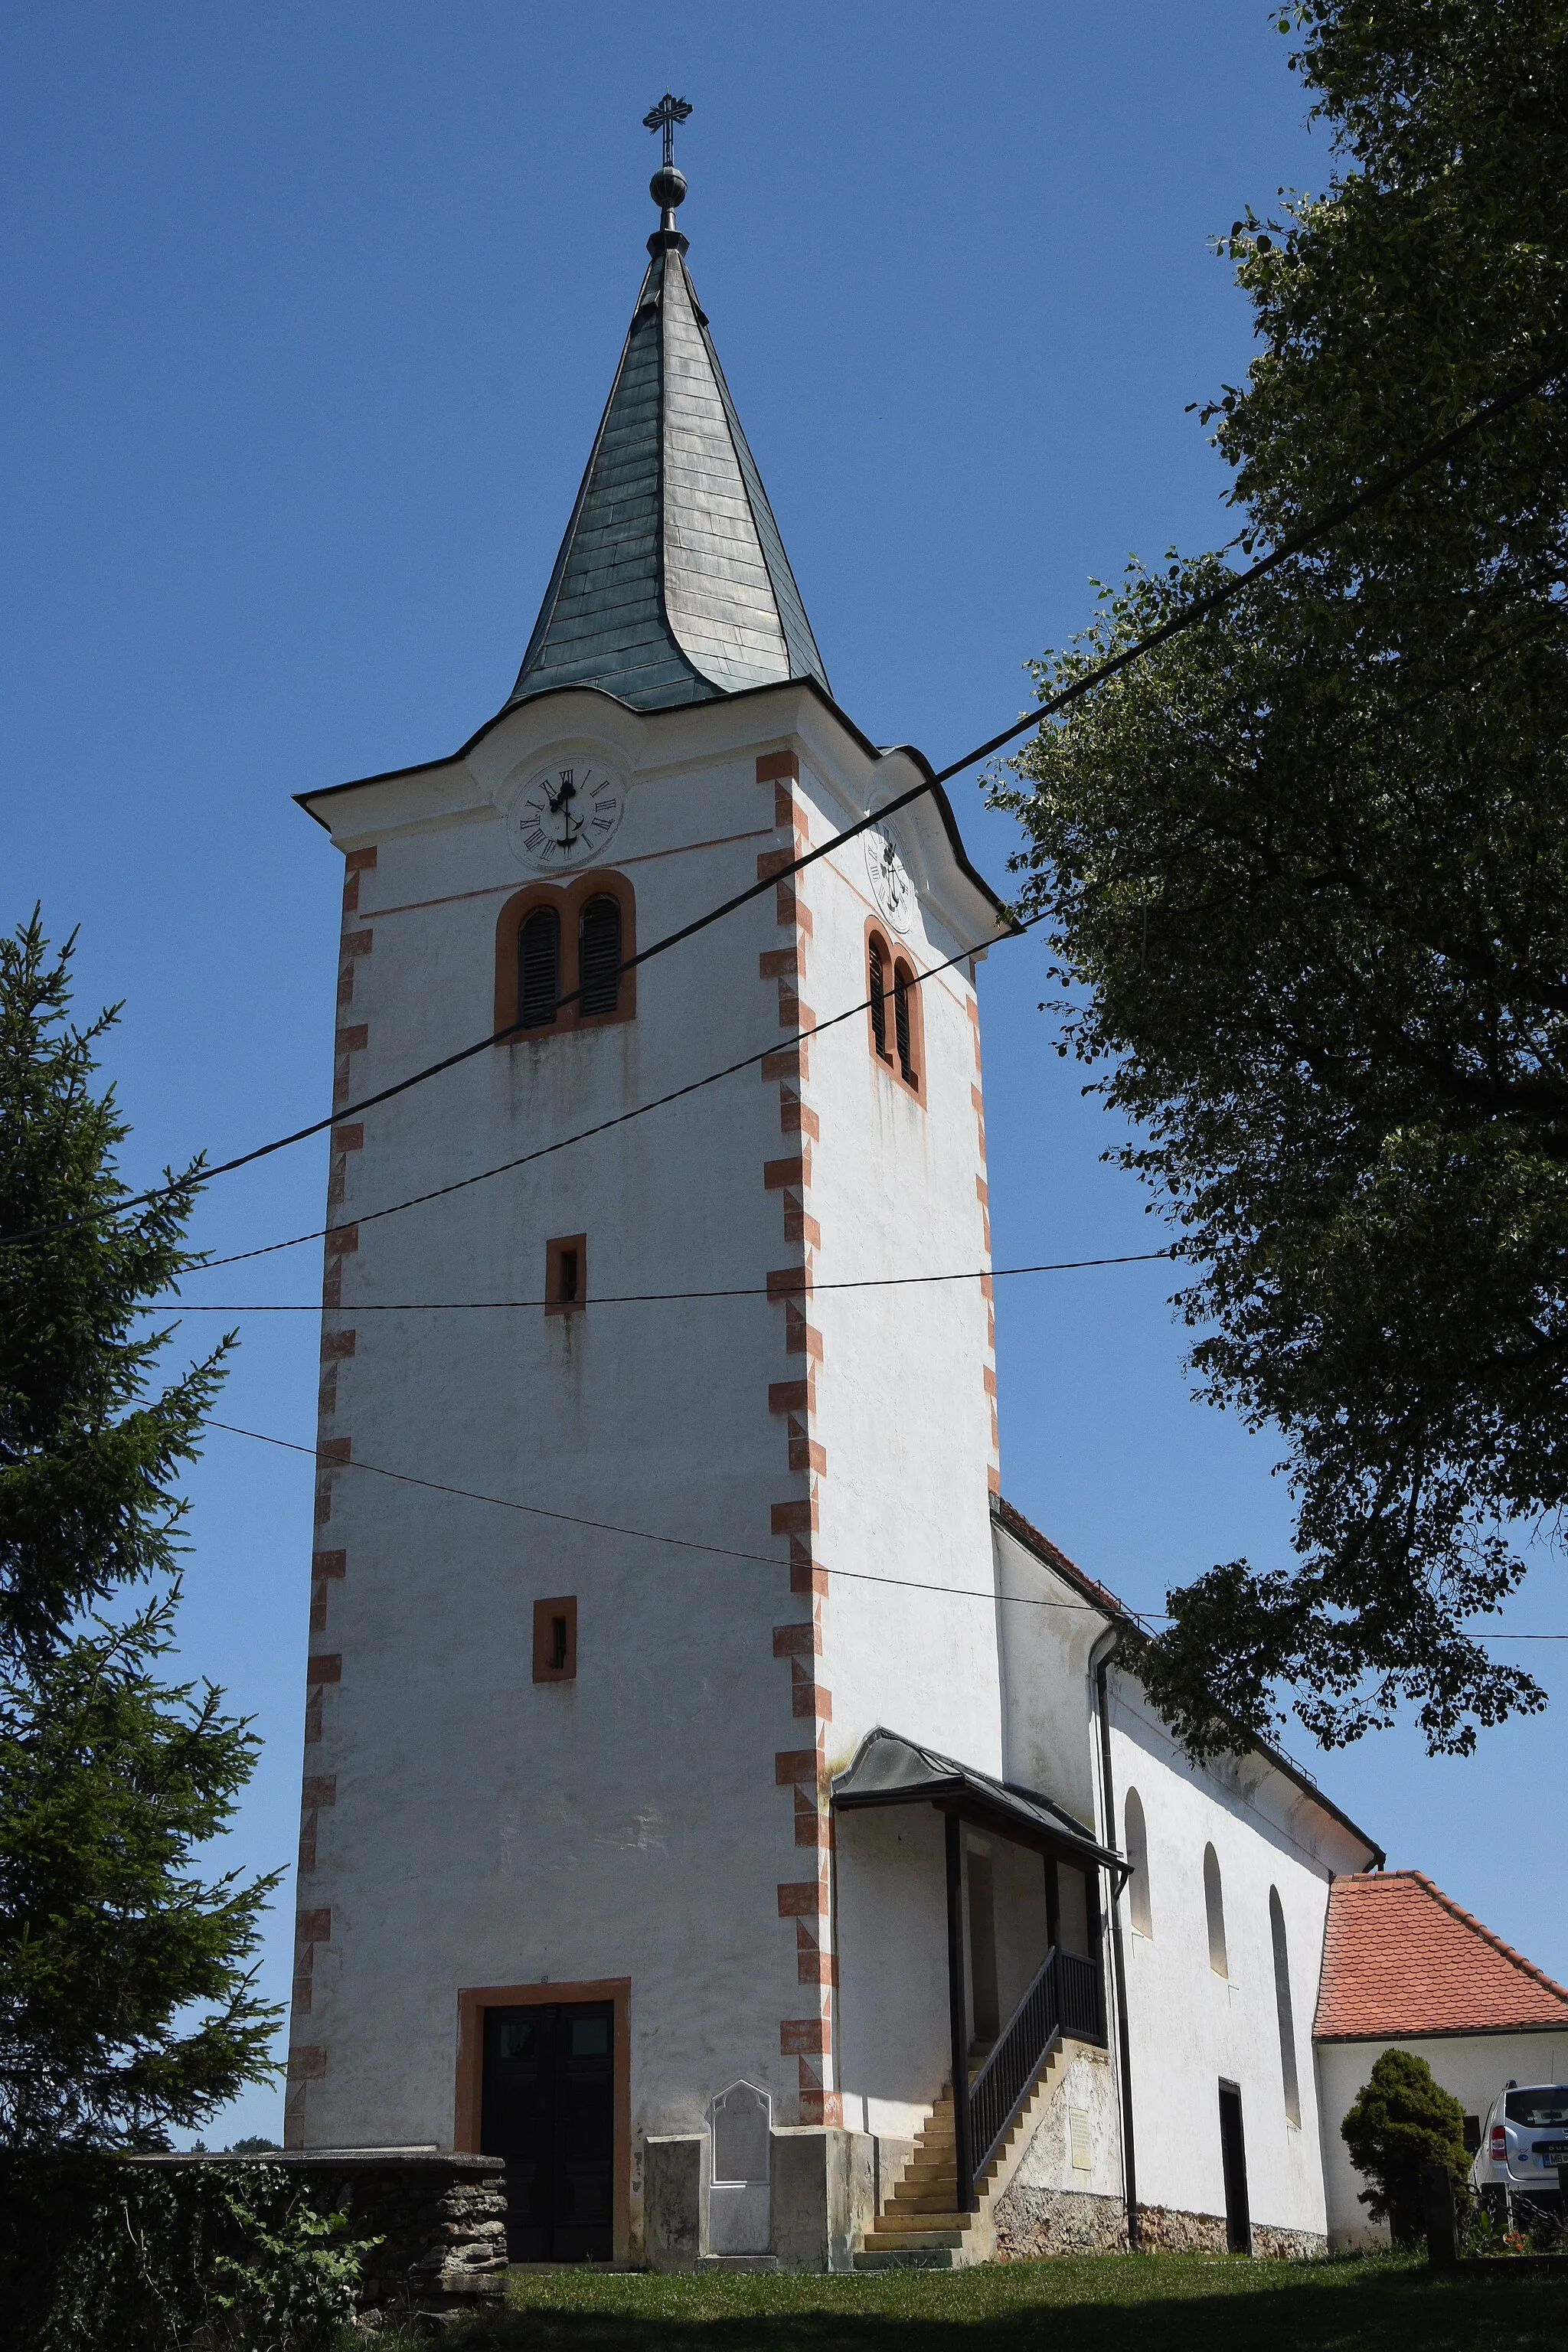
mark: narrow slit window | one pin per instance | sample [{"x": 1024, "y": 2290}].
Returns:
[
  {"x": 555, "y": 1640},
  {"x": 1137, "y": 1855},
  {"x": 565, "y": 1274},
  {"x": 878, "y": 990},
  {"x": 599, "y": 956},
  {"x": 1214, "y": 1905},
  {"x": 903, "y": 1025},
  {"x": 538, "y": 969},
  {"x": 1284, "y": 2009}
]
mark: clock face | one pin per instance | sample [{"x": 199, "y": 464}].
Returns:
[
  {"x": 566, "y": 815},
  {"x": 890, "y": 883}
]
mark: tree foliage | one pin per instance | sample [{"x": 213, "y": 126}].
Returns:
[
  {"x": 1306, "y": 872},
  {"x": 126, "y": 1994},
  {"x": 86, "y": 1457},
  {"x": 1403, "y": 2118},
  {"x": 125, "y": 2257}
]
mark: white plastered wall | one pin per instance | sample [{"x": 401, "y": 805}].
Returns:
[
  {"x": 1189, "y": 2027},
  {"x": 484, "y": 1829},
  {"x": 1472, "y": 2067},
  {"x": 902, "y": 1411}
]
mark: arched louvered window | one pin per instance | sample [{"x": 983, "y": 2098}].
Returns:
[
  {"x": 1282, "y": 2006},
  {"x": 599, "y": 956},
  {"x": 1137, "y": 1855},
  {"x": 539, "y": 967},
  {"x": 903, "y": 1023},
  {"x": 1213, "y": 1903},
  {"x": 562, "y": 955},
  {"x": 877, "y": 989}
]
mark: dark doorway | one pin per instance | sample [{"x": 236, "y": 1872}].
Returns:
[
  {"x": 1233, "y": 2157},
  {"x": 549, "y": 2109}
]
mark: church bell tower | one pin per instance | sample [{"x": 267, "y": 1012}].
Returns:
[{"x": 693, "y": 1469}]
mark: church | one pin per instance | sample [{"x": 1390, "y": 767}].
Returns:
[{"x": 718, "y": 1802}]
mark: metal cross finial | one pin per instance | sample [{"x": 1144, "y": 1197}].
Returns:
[{"x": 664, "y": 117}]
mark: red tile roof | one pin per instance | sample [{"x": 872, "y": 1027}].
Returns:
[{"x": 1400, "y": 1959}]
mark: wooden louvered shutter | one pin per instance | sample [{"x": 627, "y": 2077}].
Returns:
[
  {"x": 878, "y": 995},
  {"x": 902, "y": 981},
  {"x": 539, "y": 967},
  {"x": 599, "y": 956}
]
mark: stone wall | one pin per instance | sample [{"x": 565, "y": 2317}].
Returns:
[
  {"x": 1034, "y": 2221},
  {"x": 441, "y": 2217}
]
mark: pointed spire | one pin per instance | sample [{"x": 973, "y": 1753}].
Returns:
[{"x": 673, "y": 584}]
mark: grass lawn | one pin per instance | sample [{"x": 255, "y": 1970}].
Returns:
[{"x": 1154, "y": 2303}]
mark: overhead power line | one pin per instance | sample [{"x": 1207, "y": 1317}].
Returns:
[
  {"x": 809, "y": 1286},
  {"x": 717, "y": 1551},
  {"x": 638, "y": 1535},
  {"x": 585, "y": 1134},
  {"x": 1198, "y": 609}
]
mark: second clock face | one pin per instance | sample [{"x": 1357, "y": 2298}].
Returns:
[
  {"x": 568, "y": 815},
  {"x": 889, "y": 877}
]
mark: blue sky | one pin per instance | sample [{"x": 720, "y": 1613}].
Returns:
[{"x": 310, "y": 314}]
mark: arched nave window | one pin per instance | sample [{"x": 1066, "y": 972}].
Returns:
[
  {"x": 1137, "y": 1846},
  {"x": 1213, "y": 1904},
  {"x": 1283, "y": 2007}
]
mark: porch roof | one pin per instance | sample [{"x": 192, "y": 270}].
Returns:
[{"x": 888, "y": 1769}]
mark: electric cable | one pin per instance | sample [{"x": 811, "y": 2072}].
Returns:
[
  {"x": 730, "y": 1069},
  {"x": 1198, "y": 608},
  {"x": 720, "y": 1551},
  {"x": 585, "y": 1134},
  {"x": 809, "y": 1285},
  {"x": 639, "y": 1535}
]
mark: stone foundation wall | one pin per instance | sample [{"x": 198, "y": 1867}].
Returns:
[
  {"x": 1032, "y": 2223},
  {"x": 1167, "y": 2230},
  {"x": 441, "y": 2217}
]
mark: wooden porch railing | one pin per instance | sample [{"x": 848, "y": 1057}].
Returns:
[{"x": 1064, "y": 1998}]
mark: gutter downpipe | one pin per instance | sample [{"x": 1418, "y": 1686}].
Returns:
[{"x": 1118, "y": 1958}]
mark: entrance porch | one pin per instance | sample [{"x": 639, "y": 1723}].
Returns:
[{"x": 971, "y": 1945}]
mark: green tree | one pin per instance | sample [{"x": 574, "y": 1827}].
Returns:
[
  {"x": 1306, "y": 873},
  {"x": 1402, "y": 2120},
  {"x": 126, "y": 1980}
]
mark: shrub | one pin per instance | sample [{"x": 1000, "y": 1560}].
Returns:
[
  {"x": 198, "y": 2258},
  {"x": 1402, "y": 2120}
]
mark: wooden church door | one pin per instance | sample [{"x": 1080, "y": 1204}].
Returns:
[{"x": 548, "y": 2109}]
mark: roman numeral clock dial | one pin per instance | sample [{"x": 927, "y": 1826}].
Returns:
[{"x": 566, "y": 815}]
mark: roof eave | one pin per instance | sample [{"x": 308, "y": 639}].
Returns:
[
  {"x": 1443, "y": 2032},
  {"x": 1117, "y": 1613},
  {"x": 775, "y": 686}
]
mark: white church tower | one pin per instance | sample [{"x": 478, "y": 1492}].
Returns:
[{"x": 703, "y": 1506}]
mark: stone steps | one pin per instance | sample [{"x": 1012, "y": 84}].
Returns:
[{"x": 920, "y": 2227}]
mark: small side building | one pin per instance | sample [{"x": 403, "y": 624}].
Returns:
[{"x": 1405, "y": 1968}]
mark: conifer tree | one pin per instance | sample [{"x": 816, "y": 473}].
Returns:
[
  {"x": 1400, "y": 2119},
  {"x": 127, "y": 2003}
]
